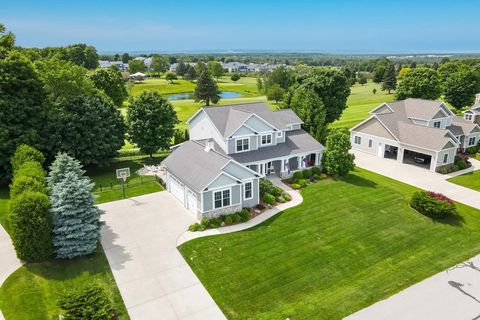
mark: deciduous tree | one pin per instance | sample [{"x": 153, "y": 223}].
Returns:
[
  {"x": 310, "y": 108},
  {"x": 275, "y": 92},
  {"x": 170, "y": 76},
  {"x": 419, "y": 83},
  {"x": 159, "y": 64},
  {"x": 337, "y": 160},
  {"x": 135, "y": 66},
  {"x": 215, "y": 69},
  {"x": 111, "y": 82}
]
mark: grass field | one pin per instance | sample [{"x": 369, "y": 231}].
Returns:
[
  {"x": 360, "y": 102},
  {"x": 108, "y": 187},
  {"x": 331, "y": 256},
  {"x": 4, "y": 200},
  {"x": 32, "y": 292},
  {"x": 468, "y": 180}
]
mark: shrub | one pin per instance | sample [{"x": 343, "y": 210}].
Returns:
[
  {"x": 266, "y": 186},
  {"x": 22, "y": 184},
  {"x": 280, "y": 199},
  {"x": 287, "y": 196},
  {"x": 460, "y": 156},
  {"x": 307, "y": 173},
  {"x": 302, "y": 183},
  {"x": 228, "y": 219},
  {"x": 298, "y": 175},
  {"x": 276, "y": 191},
  {"x": 214, "y": 223},
  {"x": 204, "y": 222},
  {"x": 316, "y": 170},
  {"x": 194, "y": 227},
  {"x": 31, "y": 225},
  {"x": 453, "y": 168},
  {"x": 244, "y": 215},
  {"x": 296, "y": 186},
  {"x": 235, "y": 77},
  {"x": 92, "y": 301},
  {"x": 313, "y": 178},
  {"x": 461, "y": 165},
  {"x": 471, "y": 150},
  {"x": 434, "y": 205},
  {"x": 25, "y": 153},
  {"x": 268, "y": 198},
  {"x": 236, "y": 217},
  {"x": 31, "y": 169}
]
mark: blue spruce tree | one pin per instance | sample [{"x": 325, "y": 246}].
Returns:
[{"x": 61, "y": 166}]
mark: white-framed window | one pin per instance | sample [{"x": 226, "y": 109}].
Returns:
[
  {"x": 266, "y": 139},
  {"x": 221, "y": 198},
  {"x": 436, "y": 124},
  {"x": 279, "y": 134},
  {"x": 370, "y": 143},
  {"x": 243, "y": 144},
  {"x": 358, "y": 140},
  {"x": 471, "y": 141},
  {"x": 445, "y": 158},
  {"x": 248, "y": 190},
  {"x": 468, "y": 117}
]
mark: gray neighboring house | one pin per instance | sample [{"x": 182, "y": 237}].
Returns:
[
  {"x": 415, "y": 131},
  {"x": 231, "y": 147}
]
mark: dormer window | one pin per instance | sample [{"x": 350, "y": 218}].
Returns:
[
  {"x": 279, "y": 134},
  {"x": 243, "y": 144},
  {"x": 437, "y": 124},
  {"x": 468, "y": 117},
  {"x": 266, "y": 139}
]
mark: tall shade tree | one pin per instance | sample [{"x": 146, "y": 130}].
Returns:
[
  {"x": 181, "y": 69},
  {"x": 7, "y": 41},
  {"x": 389, "y": 79},
  {"x": 190, "y": 74},
  {"x": 310, "y": 108},
  {"x": 76, "y": 219},
  {"x": 215, "y": 69},
  {"x": 111, "y": 82},
  {"x": 90, "y": 128},
  {"x": 460, "y": 88},
  {"x": 275, "y": 92},
  {"x": 135, "y": 66},
  {"x": 381, "y": 67},
  {"x": 280, "y": 76},
  {"x": 330, "y": 85},
  {"x": 159, "y": 64},
  {"x": 337, "y": 160},
  {"x": 419, "y": 83},
  {"x": 170, "y": 76},
  {"x": 22, "y": 110},
  {"x": 125, "y": 57},
  {"x": 151, "y": 122},
  {"x": 206, "y": 90}
]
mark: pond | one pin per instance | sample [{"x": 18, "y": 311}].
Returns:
[{"x": 189, "y": 95}]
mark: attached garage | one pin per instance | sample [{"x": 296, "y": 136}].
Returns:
[
  {"x": 176, "y": 188},
  {"x": 191, "y": 202}
]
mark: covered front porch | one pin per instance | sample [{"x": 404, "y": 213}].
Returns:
[{"x": 285, "y": 166}]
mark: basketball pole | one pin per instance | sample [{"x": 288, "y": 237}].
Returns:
[{"x": 123, "y": 188}]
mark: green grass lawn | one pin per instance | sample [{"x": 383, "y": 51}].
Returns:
[
  {"x": 108, "y": 187},
  {"x": 4, "y": 200},
  {"x": 360, "y": 102},
  {"x": 468, "y": 180},
  {"x": 32, "y": 292},
  {"x": 352, "y": 242}
]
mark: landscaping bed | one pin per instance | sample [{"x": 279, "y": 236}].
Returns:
[
  {"x": 461, "y": 162},
  {"x": 352, "y": 242}
]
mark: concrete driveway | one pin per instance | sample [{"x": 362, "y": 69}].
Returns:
[
  {"x": 420, "y": 177},
  {"x": 139, "y": 239}
]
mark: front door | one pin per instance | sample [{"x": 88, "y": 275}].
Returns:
[{"x": 269, "y": 167}]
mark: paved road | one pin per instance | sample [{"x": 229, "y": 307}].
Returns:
[
  {"x": 420, "y": 177},
  {"x": 8, "y": 258},
  {"x": 139, "y": 239},
  {"x": 451, "y": 294}
]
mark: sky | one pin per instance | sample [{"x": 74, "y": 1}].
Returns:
[{"x": 361, "y": 26}]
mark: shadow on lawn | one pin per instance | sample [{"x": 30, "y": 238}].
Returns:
[
  {"x": 359, "y": 181},
  {"x": 454, "y": 220}
]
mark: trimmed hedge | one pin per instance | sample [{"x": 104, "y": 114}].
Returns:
[
  {"x": 317, "y": 170},
  {"x": 431, "y": 204},
  {"x": 92, "y": 301},
  {"x": 269, "y": 198},
  {"x": 22, "y": 184},
  {"x": 213, "y": 223},
  {"x": 307, "y": 173},
  {"x": 25, "y": 153},
  {"x": 31, "y": 169}
]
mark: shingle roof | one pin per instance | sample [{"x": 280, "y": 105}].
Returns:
[
  {"x": 194, "y": 166},
  {"x": 416, "y": 108},
  {"x": 229, "y": 118},
  {"x": 461, "y": 126},
  {"x": 296, "y": 142}
]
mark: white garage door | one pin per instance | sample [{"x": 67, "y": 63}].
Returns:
[
  {"x": 192, "y": 202},
  {"x": 176, "y": 188}
]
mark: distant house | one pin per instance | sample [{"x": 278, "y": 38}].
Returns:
[
  {"x": 105, "y": 64},
  {"x": 231, "y": 147},
  {"x": 235, "y": 67},
  {"x": 173, "y": 66},
  {"x": 416, "y": 131}
]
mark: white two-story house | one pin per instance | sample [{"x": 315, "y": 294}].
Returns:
[
  {"x": 415, "y": 131},
  {"x": 252, "y": 139}
]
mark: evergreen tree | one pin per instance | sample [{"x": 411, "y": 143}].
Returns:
[
  {"x": 181, "y": 69},
  {"x": 76, "y": 219},
  {"x": 61, "y": 166},
  {"x": 336, "y": 159},
  {"x": 389, "y": 79},
  {"x": 206, "y": 89},
  {"x": 190, "y": 74}
]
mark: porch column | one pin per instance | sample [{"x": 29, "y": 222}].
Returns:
[
  {"x": 317, "y": 159},
  {"x": 433, "y": 163},
  {"x": 400, "y": 155}
]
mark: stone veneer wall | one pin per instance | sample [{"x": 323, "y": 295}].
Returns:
[{"x": 221, "y": 212}]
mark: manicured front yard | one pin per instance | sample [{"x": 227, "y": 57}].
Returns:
[
  {"x": 352, "y": 242},
  {"x": 468, "y": 180},
  {"x": 32, "y": 292}
]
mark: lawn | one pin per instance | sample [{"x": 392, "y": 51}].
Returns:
[
  {"x": 468, "y": 180},
  {"x": 4, "y": 200},
  {"x": 32, "y": 292},
  {"x": 352, "y": 242},
  {"x": 108, "y": 187},
  {"x": 360, "y": 102}
]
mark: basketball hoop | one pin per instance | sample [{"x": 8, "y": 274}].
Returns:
[{"x": 123, "y": 174}]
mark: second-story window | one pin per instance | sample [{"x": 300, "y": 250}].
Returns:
[
  {"x": 436, "y": 124},
  {"x": 471, "y": 141},
  {"x": 468, "y": 117},
  {"x": 266, "y": 139},
  {"x": 243, "y": 144}
]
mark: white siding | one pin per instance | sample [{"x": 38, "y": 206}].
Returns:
[{"x": 202, "y": 128}]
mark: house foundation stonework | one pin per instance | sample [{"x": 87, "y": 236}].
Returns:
[
  {"x": 417, "y": 132},
  {"x": 231, "y": 147}
]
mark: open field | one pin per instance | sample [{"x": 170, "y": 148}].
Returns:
[
  {"x": 360, "y": 102},
  {"x": 468, "y": 180},
  {"x": 331, "y": 256},
  {"x": 32, "y": 292}
]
